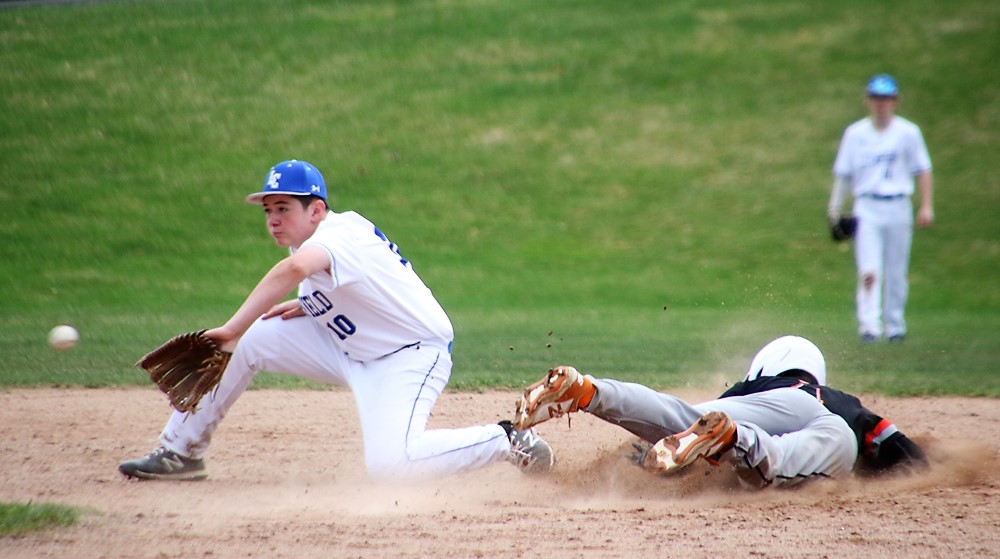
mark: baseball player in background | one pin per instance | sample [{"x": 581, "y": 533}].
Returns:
[
  {"x": 362, "y": 319},
  {"x": 879, "y": 157},
  {"x": 781, "y": 425}
]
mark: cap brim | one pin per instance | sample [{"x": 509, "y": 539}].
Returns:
[{"x": 258, "y": 197}]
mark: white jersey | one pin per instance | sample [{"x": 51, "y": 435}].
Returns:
[
  {"x": 882, "y": 163},
  {"x": 376, "y": 329},
  {"x": 371, "y": 302}
]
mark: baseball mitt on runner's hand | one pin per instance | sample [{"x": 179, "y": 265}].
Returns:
[
  {"x": 843, "y": 228},
  {"x": 185, "y": 368}
]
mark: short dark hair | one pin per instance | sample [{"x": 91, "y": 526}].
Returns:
[{"x": 306, "y": 201}]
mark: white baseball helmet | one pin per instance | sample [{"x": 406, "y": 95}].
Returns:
[{"x": 785, "y": 354}]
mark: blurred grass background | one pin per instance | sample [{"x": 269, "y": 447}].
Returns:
[{"x": 637, "y": 189}]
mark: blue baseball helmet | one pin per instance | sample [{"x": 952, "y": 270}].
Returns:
[
  {"x": 294, "y": 178},
  {"x": 883, "y": 85}
]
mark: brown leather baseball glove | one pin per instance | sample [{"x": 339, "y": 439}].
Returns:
[{"x": 185, "y": 368}]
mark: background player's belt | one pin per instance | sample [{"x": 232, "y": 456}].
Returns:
[{"x": 884, "y": 196}]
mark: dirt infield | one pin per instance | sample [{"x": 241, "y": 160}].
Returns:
[{"x": 286, "y": 482}]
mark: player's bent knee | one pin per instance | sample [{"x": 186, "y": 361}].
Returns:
[
  {"x": 259, "y": 332},
  {"x": 262, "y": 341},
  {"x": 839, "y": 441},
  {"x": 386, "y": 465}
]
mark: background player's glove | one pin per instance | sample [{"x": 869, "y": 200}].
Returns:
[
  {"x": 185, "y": 368},
  {"x": 843, "y": 228}
]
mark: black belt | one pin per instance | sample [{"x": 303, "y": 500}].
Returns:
[{"x": 884, "y": 196}]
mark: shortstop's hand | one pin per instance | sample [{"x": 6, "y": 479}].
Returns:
[
  {"x": 287, "y": 309},
  {"x": 226, "y": 339}
]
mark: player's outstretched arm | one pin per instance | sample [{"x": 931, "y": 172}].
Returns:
[
  {"x": 272, "y": 288},
  {"x": 900, "y": 451}
]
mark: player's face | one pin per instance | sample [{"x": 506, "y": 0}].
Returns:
[
  {"x": 882, "y": 108},
  {"x": 288, "y": 222}
]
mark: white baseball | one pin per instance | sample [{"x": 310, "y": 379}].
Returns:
[{"x": 63, "y": 338}]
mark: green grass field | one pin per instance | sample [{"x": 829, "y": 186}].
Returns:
[
  {"x": 18, "y": 519},
  {"x": 638, "y": 189}
]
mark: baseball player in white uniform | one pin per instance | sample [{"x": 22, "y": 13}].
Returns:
[
  {"x": 780, "y": 426},
  {"x": 879, "y": 157},
  {"x": 362, "y": 319}
]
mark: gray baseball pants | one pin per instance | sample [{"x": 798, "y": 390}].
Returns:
[{"x": 784, "y": 436}]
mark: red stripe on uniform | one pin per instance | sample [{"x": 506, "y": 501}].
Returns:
[{"x": 870, "y": 436}]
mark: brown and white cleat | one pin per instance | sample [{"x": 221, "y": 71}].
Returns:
[
  {"x": 563, "y": 390},
  {"x": 713, "y": 434}
]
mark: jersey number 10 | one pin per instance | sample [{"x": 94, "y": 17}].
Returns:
[{"x": 342, "y": 326}]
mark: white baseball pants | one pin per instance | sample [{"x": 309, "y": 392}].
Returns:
[
  {"x": 394, "y": 397},
  {"x": 882, "y": 255}
]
